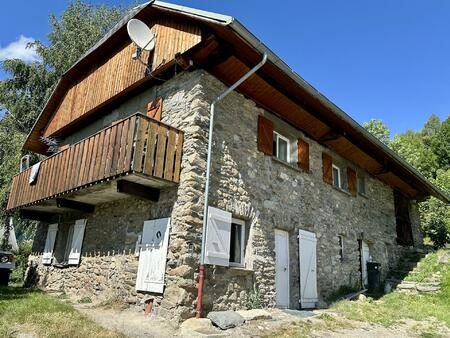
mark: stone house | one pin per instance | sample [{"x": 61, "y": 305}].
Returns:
[{"x": 300, "y": 197}]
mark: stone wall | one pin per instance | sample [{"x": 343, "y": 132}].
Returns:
[
  {"x": 264, "y": 192},
  {"x": 270, "y": 194},
  {"x": 112, "y": 230}
]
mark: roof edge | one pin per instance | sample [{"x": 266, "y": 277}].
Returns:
[{"x": 253, "y": 41}]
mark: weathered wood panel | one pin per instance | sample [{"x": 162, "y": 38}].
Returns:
[
  {"x": 119, "y": 71},
  {"x": 134, "y": 145}
]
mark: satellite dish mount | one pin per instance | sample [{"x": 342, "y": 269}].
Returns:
[{"x": 143, "y": 37}]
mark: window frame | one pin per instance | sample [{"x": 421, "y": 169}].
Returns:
[
  {"x": 278, "y": 136},
  {"x": 334, "y": 166},
  {"x": 243, "y": 241}
]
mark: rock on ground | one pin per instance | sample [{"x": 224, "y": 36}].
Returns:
[
  {"x": 226, "y": 319},
  {"x": 254, "y": 314}
]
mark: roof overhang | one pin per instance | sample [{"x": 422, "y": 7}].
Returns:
[{"x": 231, "y": 29}]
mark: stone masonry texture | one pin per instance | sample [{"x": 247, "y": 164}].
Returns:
[{"x": 264, "y": 192}]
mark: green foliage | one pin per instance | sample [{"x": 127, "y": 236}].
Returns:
[
  {"x": 79, "y": 28},
  {"x": 18, "y": 273},
  {"x": 396, "y": 307},
  {"x": 441, "y": 145},
  {"x": 428, "y": 151},
  {"x": 28, "y": 85},
  {"x": 378, "y": 129},
  {"x": 254, "y": 299},
  {"x": 30, "y": 311},
  {"x": 411, "y": 147}
]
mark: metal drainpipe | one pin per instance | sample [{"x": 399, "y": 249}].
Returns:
[{"x": 201, "y": 276}]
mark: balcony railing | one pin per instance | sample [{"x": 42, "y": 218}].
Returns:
[{"x": 136, "y": 145}]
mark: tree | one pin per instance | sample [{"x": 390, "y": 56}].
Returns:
[
  {"x": 411, "y": 147},
  {"x": 28, "y": 86},
  {"x": 378, "y": 129},
  {"x": 441, "y": 145}
]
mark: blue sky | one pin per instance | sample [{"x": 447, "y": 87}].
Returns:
[{"x": 384, "y": 59}]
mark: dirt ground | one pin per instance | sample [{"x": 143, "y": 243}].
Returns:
[{"x": 135, "y": 324}]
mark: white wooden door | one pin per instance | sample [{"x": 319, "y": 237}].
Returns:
[
  {"x": 308, "y": 276},
  {"x": 282, "y": 268},
  {"x": 153, "y": 255},
  {"x": 365, "y": 256}
]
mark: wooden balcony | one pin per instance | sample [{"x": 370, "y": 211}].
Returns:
[{"x": 138, "y": 150}]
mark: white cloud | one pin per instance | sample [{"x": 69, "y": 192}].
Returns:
[{"x": 18, "y": 50}]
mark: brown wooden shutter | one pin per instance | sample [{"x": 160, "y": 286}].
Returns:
[
  {"x": 303, "y": 154},
  {"x": 327, "y": 167},
  {"x": 351, "y": 178},
  {"x": 265, "y": 135},
  {"x": 154, "y": 109}
]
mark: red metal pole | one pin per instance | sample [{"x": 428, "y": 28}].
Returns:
[{"x": 201, "y": 278}]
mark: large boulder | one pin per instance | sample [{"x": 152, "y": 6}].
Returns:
[
  {"x": 226, "y": 319},
  {"x": 254, "y": 314}
]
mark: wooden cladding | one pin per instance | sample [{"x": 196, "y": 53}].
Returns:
[
  {"x": 154, "y": 109},
  {"x": 327, "y": 168},
  {"x": 351, "y": 179},
  {"x": 134, "y": 145},
  {"x": 103, "y": 82},
  {"x": 119, "y": 71},
  {"x": 303, "y": 154},
  {"x": 265, "y": 135}
]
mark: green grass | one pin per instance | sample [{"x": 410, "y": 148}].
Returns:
[
  {"x": 303, "y": 329},
  {"x": 428, "y": 266},
  {"x": 395, "y": 307},
  {"x": 30, "y": 311}
]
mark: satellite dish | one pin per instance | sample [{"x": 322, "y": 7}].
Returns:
[{"x": 141, "y": 35}]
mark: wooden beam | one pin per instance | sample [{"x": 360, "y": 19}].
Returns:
[
  {"x": 139, "y": 190},
  {"x": 75, "y": 205},
  {"x": 331, "y": 135},
  {"x": 36, "y": 215}
]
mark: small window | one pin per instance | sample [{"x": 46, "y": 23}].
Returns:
[
  {"x": 337, "y": 176},
  {"x": 341, "y": 247},
  {"x": 361, "y": 185},
  {"x": 280, "y": 147},
  {"x": 237, "y": 242}
]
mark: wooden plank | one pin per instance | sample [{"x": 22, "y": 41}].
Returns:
[
  {"x": 105, "y": 152},
  {"x": 89, "y": 143},
  {"x": 94, "y": 158},
  {"x": 123, "y": 146},
  {"x": 130, "y": 144},
  {"x": 109, "y": 157},
  {"x": 97, "y": 166},
  {"x": 149, "y": 161},
  {"x": 116, "y": 151},
  {"x": 170, "y": 154},
  {"x": 140, "y": 142},
  {"x": 160, "y": 152},
  {"x": 83, "y": 162},
  {"x": 178, "y": 155}
]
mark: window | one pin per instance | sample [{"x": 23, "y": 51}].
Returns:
[
  {"x": 237, "y": 242},
  {"x": 280, "y": 147},
  {"x": 341, "y": 247},
  {"x": 337, "y": 176},
  {"x": 361, "y": 185}
]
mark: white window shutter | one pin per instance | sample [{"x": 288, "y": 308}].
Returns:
[
  {"x": 217, "y": 246},
  {"x": 77, "y": 242},
  {"x": 153, "y": 256},
  {"x": 47, "y": 257}
]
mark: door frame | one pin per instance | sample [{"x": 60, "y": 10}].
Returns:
[
  {"x": 286, "y": 235},
  {"x": 361, "y": 264},
  {"x": 310, "y": 236}
]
